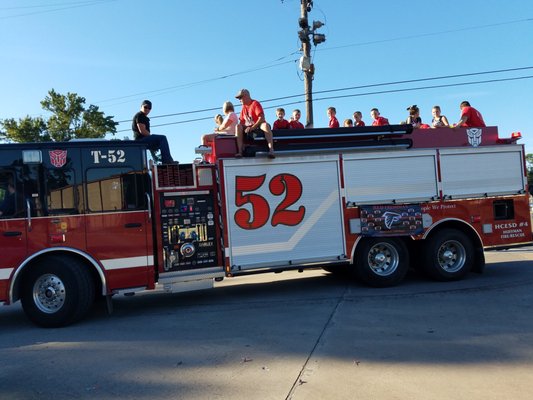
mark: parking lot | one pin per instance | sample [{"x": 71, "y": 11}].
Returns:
[{"x": 290, "y": 336}]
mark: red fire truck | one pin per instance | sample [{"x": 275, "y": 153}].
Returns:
[{"x": 83, "y": 219}]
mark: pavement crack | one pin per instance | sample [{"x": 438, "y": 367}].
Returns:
[{"x": 299, "y": 381}]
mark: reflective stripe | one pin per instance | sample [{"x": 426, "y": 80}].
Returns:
[
  {"x": 130, "y": 262},
  {"x": 5, "y": 273}
]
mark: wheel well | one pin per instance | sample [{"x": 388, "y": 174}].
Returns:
[
  {"x": 479, "y": 261},
  {"x": 40, "y": 258}
]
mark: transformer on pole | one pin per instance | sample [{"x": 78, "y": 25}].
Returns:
[{"x": 306, "y": 34}]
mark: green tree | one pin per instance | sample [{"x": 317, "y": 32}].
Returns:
[
  {"x": 70, "y": 119},
  {"x": 529, "y": 163}
]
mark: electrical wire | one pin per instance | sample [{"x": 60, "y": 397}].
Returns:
[
  {"x": 355, "y": 88},
  {"x": 470, "y": 28},
  {"x": 353, "y": 95},
  {"x": 52, "y": 8}
]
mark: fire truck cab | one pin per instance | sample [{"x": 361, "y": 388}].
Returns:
[{"x": 98, "y": 218}]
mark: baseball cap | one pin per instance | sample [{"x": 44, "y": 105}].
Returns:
[
  {"x": 241, "y": 93},
  {"x": 147, "y": 103}
]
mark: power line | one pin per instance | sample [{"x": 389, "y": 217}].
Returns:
[
  {"x": 52, "y": 8},
  {"x": 356, "y": 87},
  {"x": 265, "y": 66},
  {"x": 188, "y": 85},
  {"x": 353, "y": 95},
  {"x": 470, "y": 28}
]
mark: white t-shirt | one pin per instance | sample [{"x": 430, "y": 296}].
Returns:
[{"x": 233, "y": 121}]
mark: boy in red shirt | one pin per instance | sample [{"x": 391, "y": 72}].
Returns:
[
  {"x": 470, "y": 117},
  {"x": 378, "y": 119},
  {"x": 333, "y": 121},
  {"x": 358, "y": 119},
  {"x": 281, "y": 122},
  {"x": 295, "y": 120}
]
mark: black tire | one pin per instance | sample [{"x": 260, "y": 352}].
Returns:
[
  {"x": 448, "y": 255},
  {"x": 381, "y": 262},
  {"x": 57, "y": 291}
]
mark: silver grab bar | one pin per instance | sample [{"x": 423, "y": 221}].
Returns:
[
  {"x": 149, "y": 202},
  {"x": 28, "y": 214}
]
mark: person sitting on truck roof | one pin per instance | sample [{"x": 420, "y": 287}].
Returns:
[
  {"x": 438, "y": 120},
  {"x": 470, "y": 117},
  {"x": 378, "y": 119},
  {"x": 358, "y": 119},
  {"x": 414, "y": 116},
  {"x": 281, "y": 122},
  {"x": 141, "y": 132},
  {"x": 295, "y": 123},
  {"x": 348, "y": 122},
  {"x": 252, "y": 122},
  {"x": 227, "y": 126},
  {"x": 333, "y": 121}
]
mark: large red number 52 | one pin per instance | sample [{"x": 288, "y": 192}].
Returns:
[
  {"x": 260, "y": 207},
  {"x": 282, "y": 183},
  {"x": 292, "y": 187}
]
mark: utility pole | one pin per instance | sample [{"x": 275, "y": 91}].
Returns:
[{"x": 305, "y": 34}]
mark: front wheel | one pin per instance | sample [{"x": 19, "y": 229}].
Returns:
[
  {"x": 57, "y": 291},
  {"x": 448, "y": 255},
  {"x": 381, "y": 262}
]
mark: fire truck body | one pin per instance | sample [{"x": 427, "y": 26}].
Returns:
[{"x": 93, "y": 218}]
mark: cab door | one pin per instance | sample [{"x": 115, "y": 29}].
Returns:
[
  {"x": 13, "y": 239},
  {"x": 118, "y": 229}
]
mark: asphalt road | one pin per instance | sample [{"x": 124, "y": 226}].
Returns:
[{"x": 290, "y": 336}]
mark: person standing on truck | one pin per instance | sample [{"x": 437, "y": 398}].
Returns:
[
  {"x": 141, "y": 132},
  {"x": 470, "y": 117},
  {"x": 252, "y": 122}
]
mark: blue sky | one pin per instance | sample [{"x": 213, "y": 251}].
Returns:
[{"x": 187, "y": 56}]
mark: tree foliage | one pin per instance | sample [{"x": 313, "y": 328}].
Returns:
[
  {"x": 70, "y": 119},
  {"x": 529, "y": 162}
]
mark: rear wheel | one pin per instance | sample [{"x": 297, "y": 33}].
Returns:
[
  {"x": 448, "y": 255},
  {"x": 57, "y": 291},
  {"x": 381, "y": 262}
]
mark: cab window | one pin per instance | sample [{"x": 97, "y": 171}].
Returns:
[
  {"x": 8, "y": 195},
  {"x": 115, "y": 189}
]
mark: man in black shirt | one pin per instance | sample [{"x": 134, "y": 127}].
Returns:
[{"x": 141, "y": 132}]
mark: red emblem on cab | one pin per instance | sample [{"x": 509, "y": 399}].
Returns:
[{"x": 58, "y": 158}]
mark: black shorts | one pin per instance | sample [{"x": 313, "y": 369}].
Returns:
[{"x": 256, "y": 134}]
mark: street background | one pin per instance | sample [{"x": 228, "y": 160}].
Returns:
[{"x": 290, "y": 336}]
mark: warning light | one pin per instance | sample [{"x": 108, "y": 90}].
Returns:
[{"x": 514, "y": 137}]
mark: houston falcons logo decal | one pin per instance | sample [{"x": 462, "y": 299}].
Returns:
[{"x": 391, "y": 218}]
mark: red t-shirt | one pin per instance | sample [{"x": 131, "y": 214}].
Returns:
[
  {"x": 380, "y": 121},
  {"x": 296, "y": 125},
  {"x": 360, "y": 123},
  {"x": 281, "y": 124},
  {"x": 251, "y": 113},
  {"x": 474, "y": 117},
  {"x": 333, "y": 122}
]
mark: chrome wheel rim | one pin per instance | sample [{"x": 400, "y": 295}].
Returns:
[
  {"x": 383, "y": 259},
  {"x": 49, "y": 293},
  {"x": 451, "y": 256}
]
